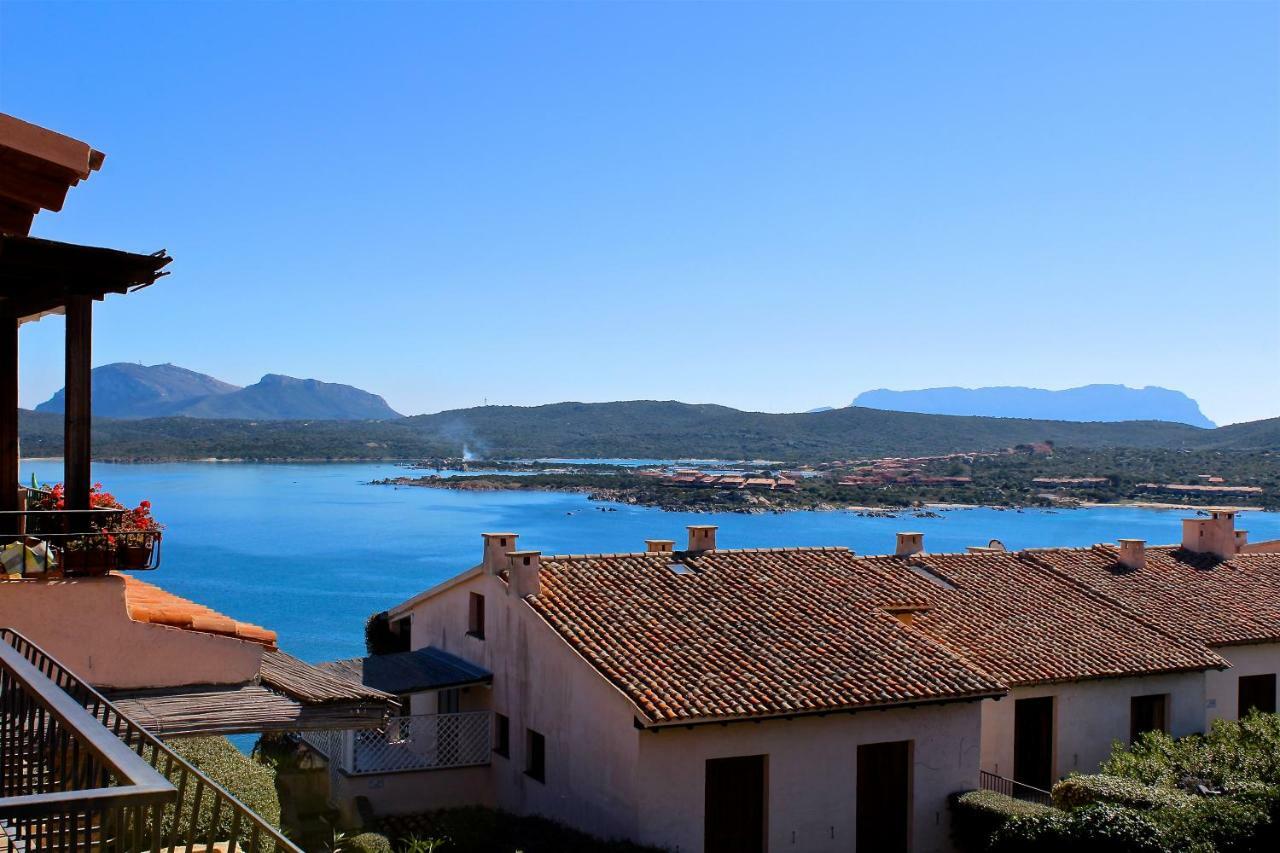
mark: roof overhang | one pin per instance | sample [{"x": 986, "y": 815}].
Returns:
[
  {"x": 289, "y": 695},
  {"x": 242, "y": 709},
  {"x": 37, "y": 168},
  {"x": 38, "y": 276}
]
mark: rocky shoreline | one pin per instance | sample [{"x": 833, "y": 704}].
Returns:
[{"x": 666, "y": 499}]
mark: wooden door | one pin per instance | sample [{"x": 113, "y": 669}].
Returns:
[
  {"x": 735, "y": 809},
  {"x": 884, "y": 797},
  {"x": 1033, "y": 742}
]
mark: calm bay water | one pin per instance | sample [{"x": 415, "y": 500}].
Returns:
[{"x": 311, "y": 551}]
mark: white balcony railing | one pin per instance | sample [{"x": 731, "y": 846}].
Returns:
[{"x": 419, "y": 742}]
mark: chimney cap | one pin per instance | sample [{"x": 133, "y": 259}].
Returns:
[
  {"x": 497, "y": 535},
  {"x": 702, "y": 527},
  {"x": 524, "y": 553},
  {"x": 1132, "y": 541}
]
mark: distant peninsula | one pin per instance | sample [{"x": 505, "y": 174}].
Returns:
[{"x": 1108, "y": 403}]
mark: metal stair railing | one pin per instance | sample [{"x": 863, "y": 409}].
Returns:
[{"x": 78, "y": 775}]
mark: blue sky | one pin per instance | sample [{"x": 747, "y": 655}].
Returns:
[{"x": 770, "y": 206}]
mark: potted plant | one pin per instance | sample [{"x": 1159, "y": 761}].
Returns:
[
  {"x": 122, "y": 538},
  {"x": 137, "y": 535}
]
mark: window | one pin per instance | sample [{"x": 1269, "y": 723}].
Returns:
[
  {"x": 475, "y": 619},
  {"x": 502, "y": 735},
  {"x": 535, "y": 756},
  {"x": 1257, "y": 693},
  {"x": 447, "y": 701},
  {"x": 1148, "y": 714}
]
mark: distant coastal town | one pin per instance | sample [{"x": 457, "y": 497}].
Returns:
[{"x": 1029, "y": 475}]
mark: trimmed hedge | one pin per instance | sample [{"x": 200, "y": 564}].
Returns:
[
  {"x": 1076, "y": 791},
  {"x": 476, "y": 829},
  {"x": 1099, "y": 828},
  {"x": 248, "y": 781},
  {"x": 366, "y": 842},
  {"x": 976, "y": 815}
]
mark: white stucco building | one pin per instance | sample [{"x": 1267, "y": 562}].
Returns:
[{"x": 805, "y": 699}]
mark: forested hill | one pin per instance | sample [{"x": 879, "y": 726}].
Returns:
[{"x": 630, "y": 429}]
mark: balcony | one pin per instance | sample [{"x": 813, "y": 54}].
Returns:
[
  {"x": 74, "y": 543},
  {"x": 77, "y": 775},
  {"x": 418, "y": 742}
]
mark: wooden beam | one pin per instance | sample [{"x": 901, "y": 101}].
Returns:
[
  {"x": 9, "y": 500},
  {"x": 79, "y": 401}
]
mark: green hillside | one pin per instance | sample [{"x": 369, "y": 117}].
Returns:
[{"x": 628, "y": 429}]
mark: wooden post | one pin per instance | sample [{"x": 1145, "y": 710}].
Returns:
[
  {"x": 9, "y": 498},
  {"x": 79, "y": 401}
]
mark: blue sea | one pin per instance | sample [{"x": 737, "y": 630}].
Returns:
[{"x": 311, "y": 550}]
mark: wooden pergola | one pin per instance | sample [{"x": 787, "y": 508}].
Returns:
[{"x": 40, "y": 277}]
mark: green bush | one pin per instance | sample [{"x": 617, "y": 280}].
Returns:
[
  {"x": 976, "y": 815},
  {"x": 475, "y": 829},
  {"x": 1218, "y": 825},
  {"x": 245, "y": 779},
  {"x": 1076, "y": 791},
  {"x": 366, "y": 842},
  {"x": 1099, "y": 828},
  {"x": 1231, "y": 752}
]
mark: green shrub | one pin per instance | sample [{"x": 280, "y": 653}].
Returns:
[
  {"x": 366, "y": 842},
  {"x": 475, "y": 829},
  {"x": 1217, "y": 825},
  {"x": 976, "y": 815},
  {"x": 1099, "y": 828},
  {"x": 1231, "y": 752},
  {"x": 248, "y": 781},
  {"x": 1076, "y": 791}
]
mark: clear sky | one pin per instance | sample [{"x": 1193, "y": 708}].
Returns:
[{"x": 773, "y": 207}]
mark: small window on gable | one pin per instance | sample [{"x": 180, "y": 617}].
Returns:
[
  {"x": 535, "y": 756},
  {"x": 475, "y": 616}
]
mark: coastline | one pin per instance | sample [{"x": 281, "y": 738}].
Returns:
[{"x": 750, "y": 503}]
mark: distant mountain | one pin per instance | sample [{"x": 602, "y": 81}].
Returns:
[
  {"x": 283, "y": 398},
  {"x": 124, "y": 390},
  {"x": 134, "y": 391},
  {"x": 1087, "y": 403}
]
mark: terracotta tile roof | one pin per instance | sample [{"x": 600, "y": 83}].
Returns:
[
  {"x": 1192, "y": 595},
  {"x": 743, "y": 634},
  {"x": 758, "y": 633},
  {"x": 1010, "y": 616},
  {"x": 149, "y": 603}
]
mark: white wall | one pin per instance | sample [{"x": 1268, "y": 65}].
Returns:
[
  {"x": 85, "y": 624},
  {"x": 1222, "y": 696},
  {"x": 812, "y": 774},
  {"x": 540, "y": 683},
  {"x": 405, "y": 793},
  {"x": 1088, "y": 717}
]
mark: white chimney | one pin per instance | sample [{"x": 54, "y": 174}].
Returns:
[
  {"x": 702, "y": 537},
  {"x": 496, "y": 548},
  {"x": 659, "y": 546},
  {"x": 909, "y": 543},
  {"x": 524, "y": 579},
  {"x": 1133, "y": 553},
  {"x": 1213, "y": 535}
]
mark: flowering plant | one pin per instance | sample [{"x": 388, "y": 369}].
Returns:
[{"x": 137, "y": 519}]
